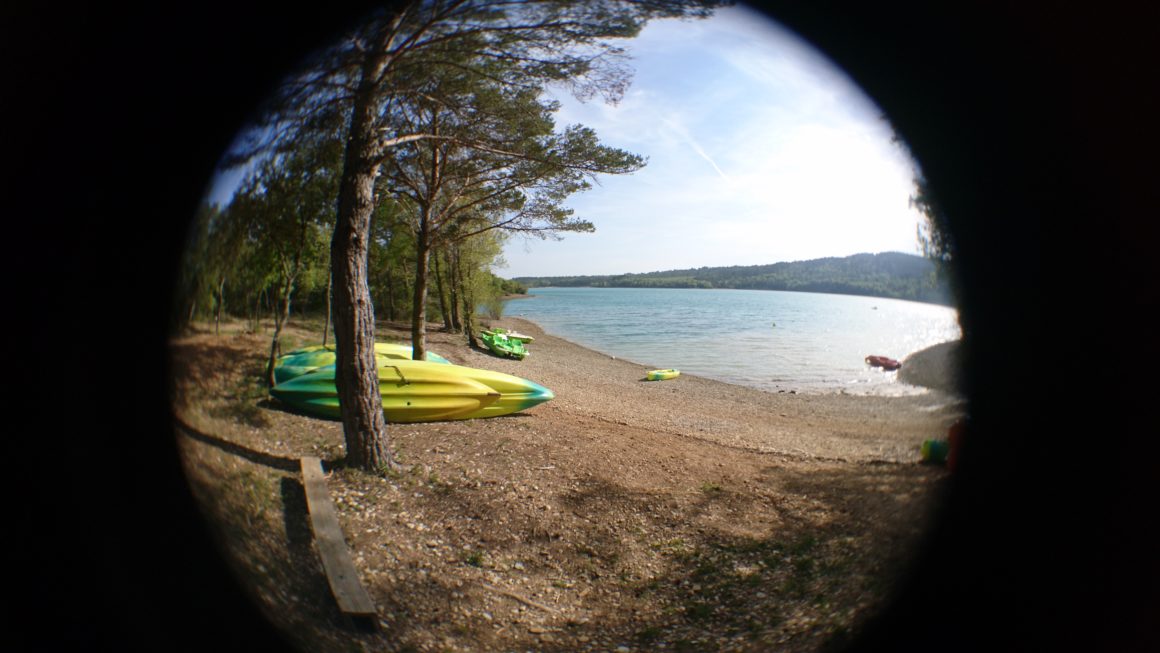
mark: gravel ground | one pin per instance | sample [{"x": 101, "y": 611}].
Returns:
[{"x": 624, "y": 515}]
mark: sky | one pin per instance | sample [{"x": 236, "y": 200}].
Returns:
[{"x": 759, "y": 149}]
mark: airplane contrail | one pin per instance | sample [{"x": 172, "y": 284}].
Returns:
[{"x": 685, "y": 136}]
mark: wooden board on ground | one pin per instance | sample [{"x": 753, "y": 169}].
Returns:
[{"x": 336, "y": 561}]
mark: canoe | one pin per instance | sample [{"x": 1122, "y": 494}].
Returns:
[
  {"x": 421, "y": 391},
  {"x": 661, "y": 375},
  {"x": 501, "y": 345},
  {"x": 308, "y": 359},
  {"x": 888, "y": 364}
]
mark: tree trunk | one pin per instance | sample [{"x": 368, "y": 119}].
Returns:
[
  {"x": 280, "y": 319},
  {"x": 419, "y": 309},
  {"x": 468, "y": 312},
  {"x": 218, "y": 299},
  {"x": 356, "y": 374},
  {"x": 326, "y": 325},
  {"x": 441, "y": 289},
  {"x": 256, "y": 311},
  {"x": 390, "y": 291},
  {"x": 455, "y": 286}
]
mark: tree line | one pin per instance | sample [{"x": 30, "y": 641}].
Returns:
[
  {"x": 386, "y": 173},
  {"x": 888, "y": 274}
]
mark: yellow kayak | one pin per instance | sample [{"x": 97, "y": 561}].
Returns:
[{"x": 661, "y": 375}]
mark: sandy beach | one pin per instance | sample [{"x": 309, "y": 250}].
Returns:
[
  {"x": 835, "y": 427},
  {"x": 623, "y": 515}
]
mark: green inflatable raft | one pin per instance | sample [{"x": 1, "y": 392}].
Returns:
[
  {"x": 501, "y": 345},
  {"x": 513, "y": 335}
]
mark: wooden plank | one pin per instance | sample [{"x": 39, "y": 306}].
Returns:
[{"x": 336, "y": 561}]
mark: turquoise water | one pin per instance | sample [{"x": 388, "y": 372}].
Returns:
[{"x": 775, "y": 341}]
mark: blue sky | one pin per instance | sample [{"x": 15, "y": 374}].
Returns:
[{"x": 760, "y": 150}]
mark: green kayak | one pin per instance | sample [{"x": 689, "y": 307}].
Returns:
[{"x": 308, "y": 359}]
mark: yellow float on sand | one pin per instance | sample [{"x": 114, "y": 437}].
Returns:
[{"x": 661, "y": 375}]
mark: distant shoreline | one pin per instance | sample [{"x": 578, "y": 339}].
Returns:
[
  {"x": 889, "y": 275},
  {"x": 945, "y": 301}
]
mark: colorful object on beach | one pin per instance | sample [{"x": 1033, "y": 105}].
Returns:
[
  {"x": 308, "y": 359},
  {"x": 420, "y": 391},
  {"x": 515, "y": 393},
  {"x": 501, "y": 345},
  {"x": 514, "y": 335},
  {"x": 888, "y": 364},
  {"x": 661, "y": 375},
  {"x": 935, "y": 451}
]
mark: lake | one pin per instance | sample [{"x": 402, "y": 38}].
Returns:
[{"x": 772, "y": 340}]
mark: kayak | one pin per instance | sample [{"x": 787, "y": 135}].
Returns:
[
  {"x": 515, "y": 393},
  {"x": 888, "y": 364},
  {"x": 420, "y": 391},
  {"x": 661, "y": 375},
  {"x": 308, "y": 359},
  {"x": 501, "y": 345},
  {"x": 387, "y": 349}
]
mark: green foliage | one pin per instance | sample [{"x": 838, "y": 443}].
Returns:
[
  {"x": 199, "y": 269},
  {"x": 934, "y": 234},
  {"x": 509, "y": 286},
  {"x": 890, "y": 274},
  {"x": 269, "y": 241}
]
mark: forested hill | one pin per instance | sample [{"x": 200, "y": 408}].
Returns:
[{"x": 889, "y": 274}]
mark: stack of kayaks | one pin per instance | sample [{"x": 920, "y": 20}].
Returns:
[
  {"x": 415, "y": 391},
  {"x": 502, "y": 344}
]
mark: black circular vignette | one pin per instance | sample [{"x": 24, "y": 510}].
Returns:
[{"x": 1032, "y": 122}]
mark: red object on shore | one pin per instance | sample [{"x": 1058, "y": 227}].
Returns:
[{"x": 885, "y": 363}]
